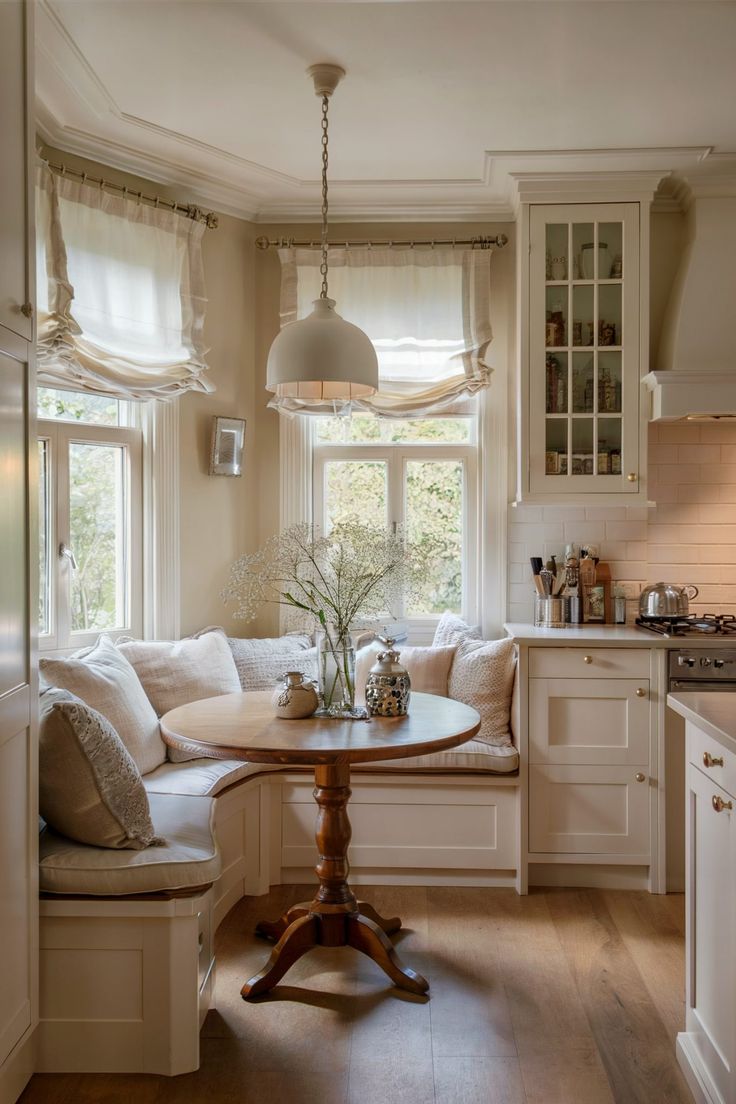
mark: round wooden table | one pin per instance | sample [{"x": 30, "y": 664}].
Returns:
[{"x": 242, "y": 726}]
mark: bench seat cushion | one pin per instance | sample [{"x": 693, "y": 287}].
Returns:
[
  {"x": 473, "y": 757},
  {"x": 201, "y": 776},
  {"x": 188, "y": 857}
]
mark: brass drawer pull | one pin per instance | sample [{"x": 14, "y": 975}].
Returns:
[
  {"x": 712, "y": 760},
  {"x": 631, "y": 477},
  {"x": 641, "y": 692},
  {"x": 587, "y": 659},
  {"x": 640, "y": 777},
  {"x": 719, "y": 804}
]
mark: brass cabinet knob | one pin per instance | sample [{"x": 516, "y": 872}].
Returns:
[
  {"x": 27, "y": 310},
  {"x": 641, "y": 692},
  {"x": 640, "y": 777},
  {"x": 587, "y": 659},
  {"x": 712, "y": 760},
  {"x": 631, "y": 477},
  {"x": 719, "y": 804}
]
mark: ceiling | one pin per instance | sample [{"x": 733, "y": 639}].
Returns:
[{"x": 443, "y": 105}]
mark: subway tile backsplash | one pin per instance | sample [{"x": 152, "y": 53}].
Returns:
[{"x": 689, "y": 537}]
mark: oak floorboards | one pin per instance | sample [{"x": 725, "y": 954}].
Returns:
[{"x": 567, "y": 996}]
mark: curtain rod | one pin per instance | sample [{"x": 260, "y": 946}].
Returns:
[
  {"x": 190, "y": 210},
  {"x": 480, "y": 242}
]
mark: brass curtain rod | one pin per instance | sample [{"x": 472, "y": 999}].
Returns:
[
  {"x": 480, "y": 242},
  {"x": 190, "y": 210}
]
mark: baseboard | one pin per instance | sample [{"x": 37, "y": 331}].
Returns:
[
  {"x": 698, "y": 1081},
  {"x": 18, "y": 1068},
  {"x": 588, "y": 876}
]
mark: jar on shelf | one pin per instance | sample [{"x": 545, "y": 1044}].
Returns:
[{"x": 587, "y": 261}]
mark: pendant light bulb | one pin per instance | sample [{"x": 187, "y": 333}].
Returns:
[{"x": 322, "y": 358}]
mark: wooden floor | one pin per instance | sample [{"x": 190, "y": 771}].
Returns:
[{"x": 567, "y": 996}]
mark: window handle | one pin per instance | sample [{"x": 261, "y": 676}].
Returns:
[{"x": 65, "y": 550}]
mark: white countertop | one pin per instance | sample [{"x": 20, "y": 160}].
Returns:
[
  {"x": 713, "y": 713},
  {"x": 614, "y": 636}
]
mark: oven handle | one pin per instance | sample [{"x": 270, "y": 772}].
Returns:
[{"x": 702, "y": 685}]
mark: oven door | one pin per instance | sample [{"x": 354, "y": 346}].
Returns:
[{"x": 701, "y": 686}]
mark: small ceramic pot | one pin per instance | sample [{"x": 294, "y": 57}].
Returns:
[
  {"x": 387, "y": 690},
  {"x": 295, "y": 697}
]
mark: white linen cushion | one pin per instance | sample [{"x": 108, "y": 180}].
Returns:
[
  {"x": 104, "y": 679},
  {"x": 482, "y": 675},
  {"x": 202, "y": 776},
  {"x": 450, "y": 628},
  {"x": 260, "y": 663},
  {"x": 89, "y": 786},
  {"x": 189, "y": 857},
  {"x": 472, "y": 757},
  {"x": 428, "y": 668}
]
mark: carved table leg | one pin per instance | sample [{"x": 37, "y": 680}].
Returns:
[{"x": 334, "y": 918}]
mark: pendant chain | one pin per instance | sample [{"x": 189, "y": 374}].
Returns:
[{"x": 323, "y": 265}]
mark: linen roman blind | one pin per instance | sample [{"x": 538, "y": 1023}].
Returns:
[
  {"x": 121, "y": 307},
  {"x": 427, "y": 312}
]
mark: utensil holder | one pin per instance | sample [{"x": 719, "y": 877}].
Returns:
[{"x": 550, "y": 613}]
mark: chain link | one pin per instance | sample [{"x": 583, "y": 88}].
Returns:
[{"x": 323, "y": 265}]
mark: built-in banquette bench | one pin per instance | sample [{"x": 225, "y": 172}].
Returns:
[{"x": 127, "y": 963}]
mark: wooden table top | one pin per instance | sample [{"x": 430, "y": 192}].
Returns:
[{"x": 243, "y": 726}]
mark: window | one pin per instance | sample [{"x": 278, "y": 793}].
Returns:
[
  {"x": 90, "y": 541},
  {"x": 418, "y": 474}
]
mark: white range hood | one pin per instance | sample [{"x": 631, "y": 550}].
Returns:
[{"x": 695, "y": 375}]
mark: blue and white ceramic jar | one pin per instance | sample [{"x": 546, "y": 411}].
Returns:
[{"x": 388, "y": 688}]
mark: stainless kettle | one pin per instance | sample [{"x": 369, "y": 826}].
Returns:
[{"x": 666, "y": 600}]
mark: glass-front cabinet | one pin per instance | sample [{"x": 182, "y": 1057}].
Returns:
[{"x": 583, "y": 347}]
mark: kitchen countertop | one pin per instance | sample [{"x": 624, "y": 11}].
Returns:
[
  {"x": 613, "y": 636},
  {"x": 713, "y": 713}
]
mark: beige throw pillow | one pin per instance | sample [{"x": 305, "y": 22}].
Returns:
[
  {"x": 102, "y": 677},
  {"x": 260, "y": 663},
  {"x": 428, "y": 668},
  {"x": 482, "y": 675},
  {"x": 174, "y": 672},
  {"x": 450, "y": 628},
  {"x": 89, "y": 786}
]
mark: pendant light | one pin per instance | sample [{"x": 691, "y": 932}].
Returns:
[{"x": 322, "y": 358}]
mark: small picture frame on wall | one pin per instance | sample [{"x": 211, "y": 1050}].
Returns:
[{"x": 228, "y": 441}]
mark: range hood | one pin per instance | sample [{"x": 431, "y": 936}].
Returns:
[{"x": 695, "y": 376}]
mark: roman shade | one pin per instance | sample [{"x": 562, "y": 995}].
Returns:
[
  {"x": 120, "y": 293},
  {"x": 426, "y": 311}
]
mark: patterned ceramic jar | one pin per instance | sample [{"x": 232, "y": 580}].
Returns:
[
  {"x": 387, "y": 690},
  {"x": 295, "y": 697}
]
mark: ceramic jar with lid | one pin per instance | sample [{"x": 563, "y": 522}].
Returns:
[
  {"x": 295, "y": 697},
  {"x": 387, "y": 689}
]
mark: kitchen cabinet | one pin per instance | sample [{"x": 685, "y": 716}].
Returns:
[{"x": 583, "y": 345}]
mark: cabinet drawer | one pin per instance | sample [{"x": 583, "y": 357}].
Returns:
[
  {"x": 710, "y": 757},
  {"x": 589, "y": 721},
  {"x": 588, "y": 810},
  {"x": 589, "y": 662}
]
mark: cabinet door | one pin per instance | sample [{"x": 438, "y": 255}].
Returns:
[
  {"x": 589, "y": 811},
  {"x": 584, "y": 348},
  {"x": 711, "y": 929},
  {"x": 15, "y": 213},
  {"x": 589, "y": 721}
]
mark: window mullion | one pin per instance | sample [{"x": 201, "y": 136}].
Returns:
[{"x": 62, "y": 569}]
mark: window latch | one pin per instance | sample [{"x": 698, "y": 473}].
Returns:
[{"x": 65, "y": 550}]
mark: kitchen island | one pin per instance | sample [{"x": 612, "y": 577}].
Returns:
[{"x": 706, "y": 1049}]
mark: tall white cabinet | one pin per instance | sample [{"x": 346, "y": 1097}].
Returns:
[{"x": 18, "y": 557}]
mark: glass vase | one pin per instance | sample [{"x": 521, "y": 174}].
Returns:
[{"x": 337, "y": 673}]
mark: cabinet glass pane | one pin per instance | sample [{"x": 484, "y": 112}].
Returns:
[
  {"x": 609, "y": 383},
  {"x": 556, "y": 446},
  {"x": 556, "y": 390},
  {"x": 611, "y": 233},
  {"x": 353, "y": 486},
  {"x": 556, "y": 252},
  {"x": 610, "y": 330},
  {"x": 555, "y": 329},
  {"x": 582, "y": 446},
  {"x": 583, "y": 324},
  {"x": 98, "y": 536},
  {"x": 434, "y": 525},
  {"x": 609, "y": 446},
  {"x": 582, "y": 383},
  {"x": 583, "y": 234}
]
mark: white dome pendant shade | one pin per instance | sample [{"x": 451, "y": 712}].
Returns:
[{"x": 322, "y": 358}]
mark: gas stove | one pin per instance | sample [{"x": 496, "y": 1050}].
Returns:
[{"x": 695, "y": 624}]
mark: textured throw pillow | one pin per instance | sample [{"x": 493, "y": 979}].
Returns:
[
  {"x": 260, "y": 663},
  {"x": 428, "y": 668},
  {"x": 174, "y": 672},
  {"x": 482, "y": 675},
  {"x": 89, "y": 787},
  {"x": 450, "y": 628},
  {"x": 102, "y": 677}
]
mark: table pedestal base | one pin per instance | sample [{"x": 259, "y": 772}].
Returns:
[{"x": 334, "y": 918}]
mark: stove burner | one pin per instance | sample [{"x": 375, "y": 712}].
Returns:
[{"x": 714, "y": 624}]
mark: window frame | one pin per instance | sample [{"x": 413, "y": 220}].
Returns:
[
  {"x": 396, "y": 456},
  {"x": 60, "y": 435}
]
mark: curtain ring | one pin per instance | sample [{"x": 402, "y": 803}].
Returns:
[
  {"x": 432, "y": 243},
  {"x": 140, "y": 197},
  {"x": 411, "y": 244},
  {"x": 102, "y": 183},
  {"x": 156, "y": 201},
  {"x": 84, "y": 178},
  {"x": 125, "y": 191}
]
